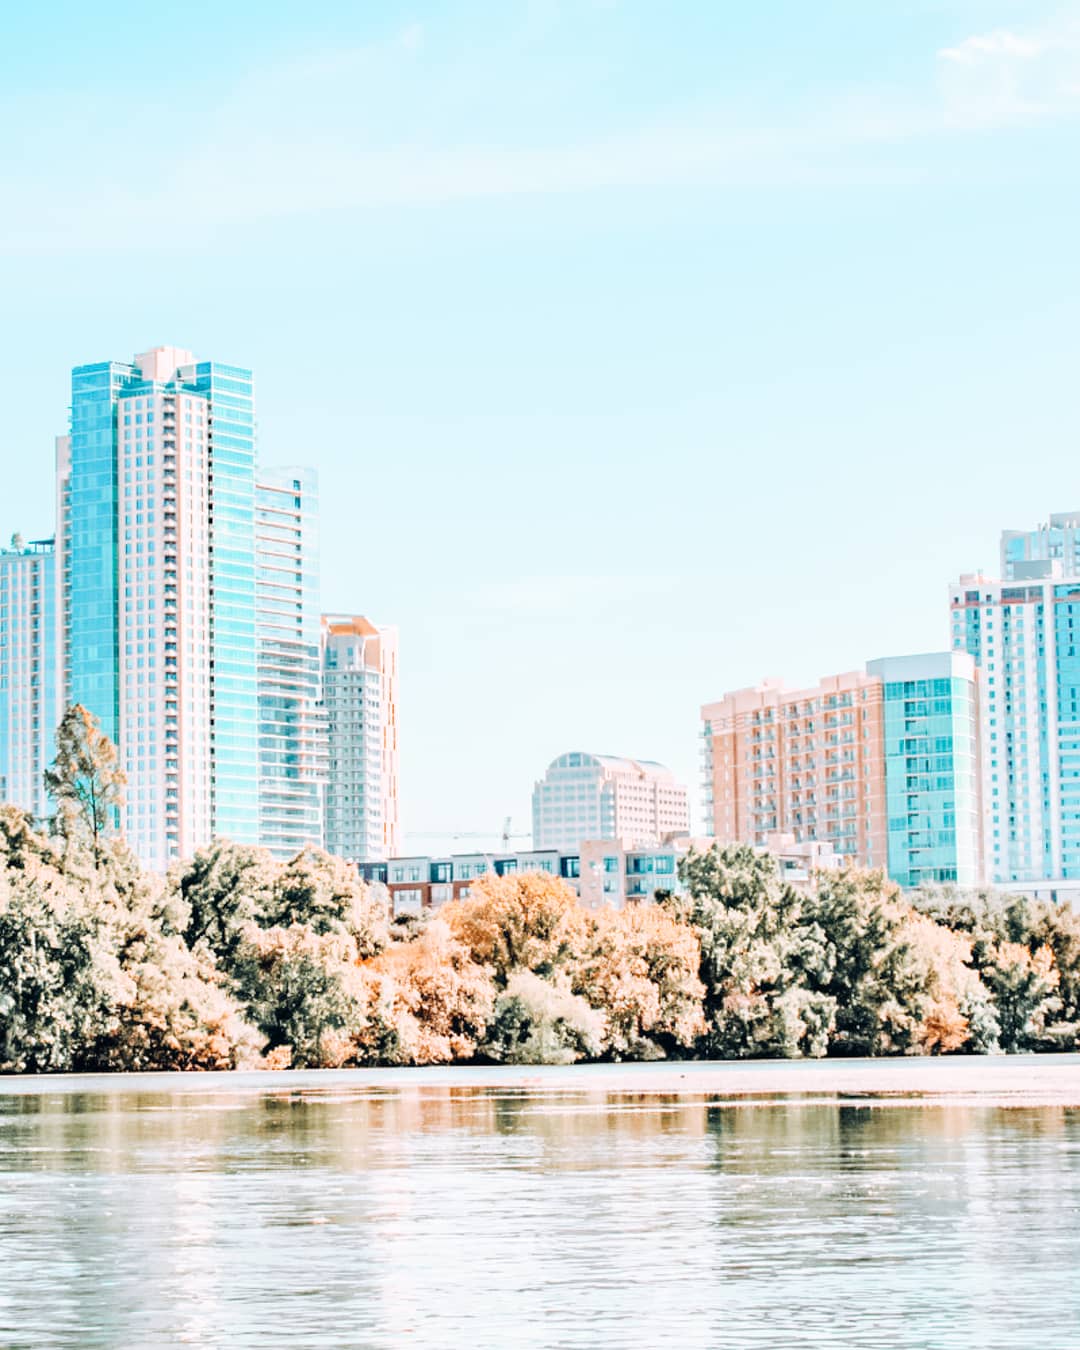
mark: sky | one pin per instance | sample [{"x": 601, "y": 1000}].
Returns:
[{"x": 643, "y": 350}]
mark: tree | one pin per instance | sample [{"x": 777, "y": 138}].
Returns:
[
  {"x": 59, "y": 974},
  {"x": 437, "y": 999},
  {"x": 641, "y": 971},
  {"x": 1024, "y": 986},
  {"x": 529, "y": 920},
  {"x": 305, "y": 992},
  {"x": 221, "y": 891},
  {"x": 755, "y": 948},
  {"x": 957, "y": 1011},
  {"x": 540, "y": 1021},
  {"x": 865, "y": 962},
  {"x": 326, "y": 894},
  {"x": 85, "y": 780}
]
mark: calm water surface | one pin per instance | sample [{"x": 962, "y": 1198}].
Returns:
[{"x": 325, "y": 1212}]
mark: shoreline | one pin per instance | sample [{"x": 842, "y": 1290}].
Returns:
[{"x": 1011, "y": 1080}]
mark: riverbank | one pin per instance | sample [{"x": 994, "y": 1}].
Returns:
[{"x": 1007, "y": 1080}]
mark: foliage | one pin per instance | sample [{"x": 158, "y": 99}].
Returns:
[
  {"x": 540, "y": 1021},
  {"x": 641, "y": 970},
  {"x": 222, "y": 891},
  {"x": 528, "y": 921},
  {"x": 326, "y": 895},
  {"x": 756, "y": 948},
  {"x": 304, "y": 991},
  {"x": 85, "y": 779},
  {"x": 437, "y": 1000},
  {"x": 234, "y": 959}
]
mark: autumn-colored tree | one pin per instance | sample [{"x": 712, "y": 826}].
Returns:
[
  {"x": 85, "y": 780},
  {"x": 641, "y": 970},
  {"x": 436, "y": 998},
  {"x": 956, "y": 1004},
  {"x": 524, "y": 921}
]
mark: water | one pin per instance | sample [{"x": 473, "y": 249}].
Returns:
[{"x": 575, "y": 1210}]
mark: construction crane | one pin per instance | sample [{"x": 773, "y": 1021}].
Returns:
[{"x": 506, "y": 836}]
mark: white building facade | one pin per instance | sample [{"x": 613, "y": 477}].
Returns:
[
  {"x": 292, "y": 723},
  {"x": 1024, "y": 636},
  {"x": 586, "y": 796},
  {"x": 31, "y": 675},
  {"x": 360, "y": 698}
]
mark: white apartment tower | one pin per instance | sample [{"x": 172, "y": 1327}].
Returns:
[
  {"x": 584, "y": 796},
  {"x": 31, "y": 681},
  {"x": 360, "y": 697},
  {"x": 292, "y": 725},
  {"x": 1024, "y": 635}
]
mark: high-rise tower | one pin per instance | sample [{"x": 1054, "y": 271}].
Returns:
[
  {"x": 31, "y": 692},
  {"x": 292, "y": 724},
  {"x": 157, "y": 551},
  {"x": 360, "y": 694}
]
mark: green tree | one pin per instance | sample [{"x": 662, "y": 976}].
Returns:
[
  {"x": 755, "y": 948},
  {"x": 862, "y": 957},
  {"x": 221, "y": 891},
  {"x": 59, "y": 974},
  {"x": 327, "y": 895},
  {"x": 539, "y": 1021},
  {"x": 306, "y": 994},
  {"x": 85, "y": 780}
]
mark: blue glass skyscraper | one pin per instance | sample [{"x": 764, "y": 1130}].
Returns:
[{"x": 157, "y": 551}]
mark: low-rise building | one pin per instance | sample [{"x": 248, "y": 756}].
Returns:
[
  {"x": 425, "y": 882},
  {"x": 603, "y": 872},
  {"x": 618, "y": 873}
]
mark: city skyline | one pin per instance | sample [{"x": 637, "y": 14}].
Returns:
[
  {"x": 578, "y": 372},
  {"x": 180, "y": 603}
]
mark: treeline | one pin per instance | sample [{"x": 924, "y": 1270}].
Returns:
[{"x": 233, "y": 960}]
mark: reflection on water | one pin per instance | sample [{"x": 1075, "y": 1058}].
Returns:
[{"x": 350, "y": 1216}]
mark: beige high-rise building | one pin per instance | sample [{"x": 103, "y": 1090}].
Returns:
[
  {"x": 809, "y": 763},
  {"x": 584, "y": 796},
  {"x": 360, "y": 696}
]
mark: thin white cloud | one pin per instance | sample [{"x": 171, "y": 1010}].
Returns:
[
  {"x": 1010, "y": 78},
  {"x": 1001, "y": 42},
  {"x": 352, "y": 129}
]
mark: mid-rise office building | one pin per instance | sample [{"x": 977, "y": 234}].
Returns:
[
  {"x": 586, "y": 796},
  {"x": 1023, "y": 636},
  {"x": 360, "y": 696},
  {"x": 31, "y": 674},
  {"x": 292, "y": 724},
  {"x": 809, "y": 763},
  {"x": 933, "y": 790}
]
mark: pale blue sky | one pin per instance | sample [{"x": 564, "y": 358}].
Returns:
[{"x": 643, "y": 349}]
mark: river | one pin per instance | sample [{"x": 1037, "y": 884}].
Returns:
[{"x": 711, "y": 1206}]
